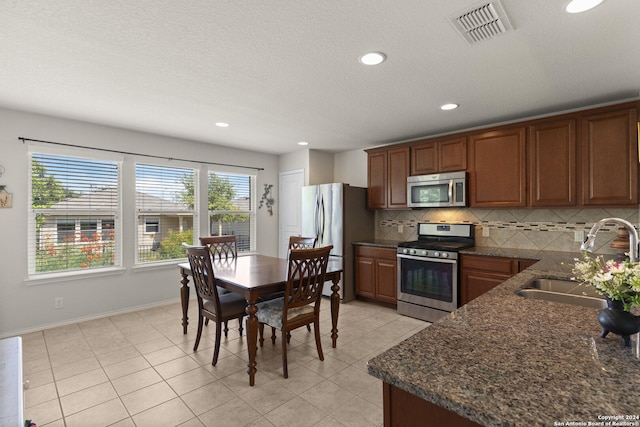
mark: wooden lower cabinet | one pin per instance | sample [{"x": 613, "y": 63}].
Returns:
[
  {"x": 480, "y": 274},
  {"x": 376, "y": 273},
  {"x": 403, "y": 409}
]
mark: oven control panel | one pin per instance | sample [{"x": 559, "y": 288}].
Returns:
[{"x": 427, "y": 253}]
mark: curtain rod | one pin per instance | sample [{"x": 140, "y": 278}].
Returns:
[{"x": 20, "y": 138}]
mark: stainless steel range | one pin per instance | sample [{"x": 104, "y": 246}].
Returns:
[{"x": 428, "y": 270}]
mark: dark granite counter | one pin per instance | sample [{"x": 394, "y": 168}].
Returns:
[
  {"x": 503, "y": 360},
  {"x": 380, "y": 243}
]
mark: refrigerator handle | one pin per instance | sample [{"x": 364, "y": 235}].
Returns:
[
  {"x": 322, "y": 218},
  {"x": 317, "y": 216}
]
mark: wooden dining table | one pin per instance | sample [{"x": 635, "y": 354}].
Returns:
[{"x": 254, "y": 276}]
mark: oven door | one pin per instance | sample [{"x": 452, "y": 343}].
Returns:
[{"x": 430, "y": 282}]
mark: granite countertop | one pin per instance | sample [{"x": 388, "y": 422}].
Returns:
[
  {"x": 503, "y": 360},
  {"x": 378, "y": 242}
]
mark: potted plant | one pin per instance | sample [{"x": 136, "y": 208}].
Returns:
[{"x": 619, "y": 282}]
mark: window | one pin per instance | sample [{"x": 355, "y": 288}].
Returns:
[
  {"x": 165, "y": 204},
  {"x": 232, "y": 207},
  {"x": 151, "y": 225},
  {"x": 107, "y": 229},
  {"x": 70, "y": 196},
  {"x": 66, "y": 229}
]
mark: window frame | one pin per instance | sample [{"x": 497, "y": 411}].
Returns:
[
  {"x": 252, "y": 211},
  {"x": 32, "y": 275},
  {"x": 138, "y": 213}
]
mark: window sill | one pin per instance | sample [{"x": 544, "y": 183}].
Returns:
[
  {"x": 159, "y": 265},
  {"x": 72, "y": 275}
]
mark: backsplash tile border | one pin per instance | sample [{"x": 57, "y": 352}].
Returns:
[
  {"x": 537, "y": 229},
  {"x": 510, "y": 225}
]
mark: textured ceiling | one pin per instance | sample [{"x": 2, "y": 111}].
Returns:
[{"x": 283, "y": 71}]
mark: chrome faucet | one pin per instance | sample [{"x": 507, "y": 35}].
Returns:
[{"x": 633, "y": 236}]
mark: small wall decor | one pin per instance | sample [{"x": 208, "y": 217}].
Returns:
[
  {"x": 5, "y": 198},
  {"x": 267, "y": 199}
]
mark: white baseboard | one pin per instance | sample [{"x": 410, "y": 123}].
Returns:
[{"x": 93, "y": 317}]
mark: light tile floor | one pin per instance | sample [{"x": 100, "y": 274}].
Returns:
[{"x": 138, "y": 369}]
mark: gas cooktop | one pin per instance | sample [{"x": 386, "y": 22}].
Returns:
[{"x": 434, "y": 238}]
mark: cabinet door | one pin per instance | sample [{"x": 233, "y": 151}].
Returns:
[
  {"x": 552, "y": 164},
  {"x": 609, "y": 144},
  {"x": 452, "y": 155},
  {"x": 424, "y": 158},
  {"x": 497, "y": 169},
  {"x": 475, "y": 283},
  {"x": 365, "y": 277},
  {"x": 377, "y": 180},
  {"x": 387, "y": 279},
  {"x": 398, "y": 171}
]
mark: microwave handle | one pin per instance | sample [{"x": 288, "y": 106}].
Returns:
[{"x": 451, "y": 192}]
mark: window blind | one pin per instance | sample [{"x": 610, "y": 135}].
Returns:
[
  {"x": 165, "y": 202},
  {"x": 75, "y": 208},
  {"x": 231, "y": 201}
]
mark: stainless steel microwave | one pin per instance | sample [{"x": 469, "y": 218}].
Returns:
[{"x": 437, "y": 190}]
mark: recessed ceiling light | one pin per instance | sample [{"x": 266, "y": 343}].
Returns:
[
  {"x": 222, "y": 125},
  {"x": 303, "y": 143},
  {"x": 373, "y": 58},
  {"x": 577, "y": 6},
  {"x": 447, "y": 107}
]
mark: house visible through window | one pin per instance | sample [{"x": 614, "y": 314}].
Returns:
[
  {"x": 232, "y": 207},
  {"x": 165, "y": 204},
  {"x": 72, "y": 200}
]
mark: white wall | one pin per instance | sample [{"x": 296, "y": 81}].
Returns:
[
  {"x": 351, "y": 167},
  {"x": 25, "y": 307},
  {"x": 295, "y": 160},
  {"x": 320, "y": 167}
]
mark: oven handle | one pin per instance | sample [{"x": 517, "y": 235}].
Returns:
[{"x": 421, "y": 258}]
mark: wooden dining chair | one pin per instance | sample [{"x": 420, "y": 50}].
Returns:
[
  {"x": 212, "y": 305},
  {"x": 221, "y": 247},
  {"x": 300, "y": 305},
  {"x": 298, "y": 242}
]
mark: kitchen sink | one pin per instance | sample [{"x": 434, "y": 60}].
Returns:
[{"x": 562, "y": 291}]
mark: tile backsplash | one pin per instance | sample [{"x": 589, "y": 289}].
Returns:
[{"x": 547, "y": 229}]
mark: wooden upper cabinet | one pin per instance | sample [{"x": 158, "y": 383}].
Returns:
[
  {"x": 552, "y": 163},
  {"x": 388, "y": 170},
  {"x": 609, "y": 143},
  {"x": 398, "y": 171},
  {"x": 439, "y": 156},
  {"x": 497, "y": 168},
  {"x": 377, "y": 179},
  {"x": 424, "y": 158}
]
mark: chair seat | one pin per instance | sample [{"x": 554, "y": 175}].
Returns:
[
  {"x": 230, "y": 303},
  {"x": 270, "y": 312}
]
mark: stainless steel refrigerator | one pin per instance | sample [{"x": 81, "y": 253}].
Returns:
[{"x": 336, "y": 214}]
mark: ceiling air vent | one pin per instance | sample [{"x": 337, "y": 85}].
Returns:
[{"x": 482, "y": 22}]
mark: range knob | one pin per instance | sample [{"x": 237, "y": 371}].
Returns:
[
  {"x": 412, "y": 251},
  {"x": 405, "y": 251},
  {"x": 436, "y": 254},
  {"x": 423, "y": 252},
  {"x": 444, "y": 255}
]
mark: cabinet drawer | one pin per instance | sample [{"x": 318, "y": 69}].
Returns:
[
  {"x": 489, "y": 263},
  {"x": 375, "y": 252}
]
